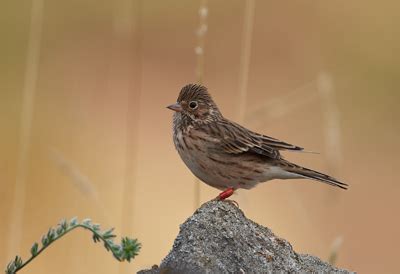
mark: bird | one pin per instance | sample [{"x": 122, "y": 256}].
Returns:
[{"x": 226, "y": 155}]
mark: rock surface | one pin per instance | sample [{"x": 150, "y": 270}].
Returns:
[{"x": 218, "y": 238}]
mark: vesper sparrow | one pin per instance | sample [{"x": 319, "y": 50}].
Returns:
[{"x": 226, "y": 155}]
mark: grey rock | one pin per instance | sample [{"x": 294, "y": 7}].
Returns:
[{"x": 218, "y": 238}]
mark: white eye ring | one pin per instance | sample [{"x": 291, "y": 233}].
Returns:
[{"x": 193, "y": 105}]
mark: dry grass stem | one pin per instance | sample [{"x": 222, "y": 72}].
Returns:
[
  {"x": 336, "y": 245},
  {"x": 78, "y": 179},
  {"x": 201, "y": 39},
  {"x": 245, "y": 56},
  {"x": 199, "y": 51},
  {"x": 28, "y": 101},
  {"x": 244, "y": 65},
  {"x": 281, "y": 108},
  {"x": 331, "y": 122},
  {"x": 130, "y": 24},
  {"x": 255, "y": 112}
]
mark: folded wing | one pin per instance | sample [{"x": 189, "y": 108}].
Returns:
[{"x": 237, "y": 139}]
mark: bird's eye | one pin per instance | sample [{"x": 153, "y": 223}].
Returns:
[{"x": 193, "y": 105}]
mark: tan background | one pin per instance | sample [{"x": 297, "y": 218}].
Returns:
[{"x": 97, "y": 141}]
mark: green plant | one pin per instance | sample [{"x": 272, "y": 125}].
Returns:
[{"x": 126, "y": 250}]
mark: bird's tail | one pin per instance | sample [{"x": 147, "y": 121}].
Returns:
[{"x": 313, "y": 175}]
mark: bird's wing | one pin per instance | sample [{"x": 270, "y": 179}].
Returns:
[{"x": 233, "y": 138}]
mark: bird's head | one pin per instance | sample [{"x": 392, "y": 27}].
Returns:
[{"x": 195, "y": 103}]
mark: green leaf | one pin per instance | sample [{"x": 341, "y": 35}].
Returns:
[
  {"x": 34, "y": 249},
  {"x": 64, "y": 224},
  {"x": 96, "y": 238},
  {"x": 87, "y": 222},
  {"x": 11, "y": 268},
  {"x": 45, "y": 241},
  {"x": 96, "y": 227},
  {"x": 17, "y": 261},
  {"x": 51, "y": 235},
  {"x": 108, "y": 234},
  {"x": 130, "y": 248},
  {"x": 73, "y": 222},
  {"x": 60, "y": 230}
]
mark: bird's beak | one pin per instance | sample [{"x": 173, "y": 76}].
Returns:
[{"x": 175, "y": 107}]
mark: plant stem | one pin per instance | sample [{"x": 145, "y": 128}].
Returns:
[
  {"x": 199, "y": 50},
  {"x": 108, "y": 246}
]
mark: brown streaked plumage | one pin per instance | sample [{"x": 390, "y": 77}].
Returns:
[{"x": 224, "y": 154}]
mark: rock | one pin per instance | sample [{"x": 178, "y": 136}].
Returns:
[{"x": 218, "y": 238}]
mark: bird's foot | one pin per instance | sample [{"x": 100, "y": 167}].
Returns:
[
  {"x": 233, "y": 202},
  {"x": 226, "y": 194}
]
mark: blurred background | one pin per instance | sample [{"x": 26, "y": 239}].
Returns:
[{"x": 85, "y": 132}]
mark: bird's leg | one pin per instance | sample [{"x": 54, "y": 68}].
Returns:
[{"x": 226, "y": 194}]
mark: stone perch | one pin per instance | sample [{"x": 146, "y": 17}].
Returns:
[{"x": 218, "y": 238}]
